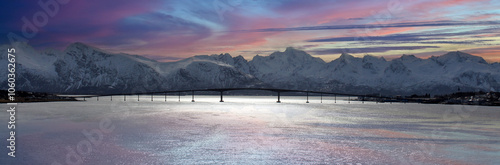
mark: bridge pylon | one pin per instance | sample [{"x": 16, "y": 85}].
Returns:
[
  {"x": 221, "y": 97},
  {"x": 192, "y": 96},
  {"x": 279, "y": 101},
  {"x": 307, "y": 97}
]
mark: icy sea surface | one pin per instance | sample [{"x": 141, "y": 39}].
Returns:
[{"x": 250, "y": 130}]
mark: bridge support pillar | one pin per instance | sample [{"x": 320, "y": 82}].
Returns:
[
  {"x": 307, "y": 97},
  {"x": 192, "y": 96},
  {"x": 279, "y": 101},
  {"x": 221, "y": 97}
]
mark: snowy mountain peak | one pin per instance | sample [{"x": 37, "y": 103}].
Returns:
[
  {"x": 458, "y": 54},
  {"x": 346, "y": 57},
  {"x": 222, "y": 55},
  {"x": 291, "y": 56},
  {"x": 226, "y": 57},
  {"x": 383, "y": 59},
  {"x": 459, "y": 57},
  {"x": 292, "y": 52},
  {"x": 239, "y": 59},
  {"x": 407, "y": 58},
  {"x": 78, "y": 45},
  {"x": 85, "y": 69},
  {"x": 370, "y": 58},
  {"x": 83, "y": 52},
  {"x": 291, "y": 49}
]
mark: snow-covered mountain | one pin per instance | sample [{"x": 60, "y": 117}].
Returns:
[
  {"x": 84, "y": 69},
  {"x": 291, "y": 69}
]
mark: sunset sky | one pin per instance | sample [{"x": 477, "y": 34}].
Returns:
[{"x": 177, "y": 29}]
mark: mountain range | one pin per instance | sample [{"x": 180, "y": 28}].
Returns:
[{"x": 83, "y": 69}]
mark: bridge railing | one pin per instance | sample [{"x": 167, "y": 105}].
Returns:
[{"x": 222, "y": 90}]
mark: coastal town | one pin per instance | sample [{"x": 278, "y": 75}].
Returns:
[{"x": 463, "y": 98}]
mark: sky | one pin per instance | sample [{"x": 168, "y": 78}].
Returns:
[{"x": 171, "y": 30}]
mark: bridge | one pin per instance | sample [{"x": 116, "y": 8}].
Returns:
[{"x": 222, "y": 90}]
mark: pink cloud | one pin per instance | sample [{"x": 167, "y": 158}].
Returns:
[{"x": 490, "y": 54}]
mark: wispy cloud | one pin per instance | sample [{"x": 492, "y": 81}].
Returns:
[{"x": 180, "y": 29}]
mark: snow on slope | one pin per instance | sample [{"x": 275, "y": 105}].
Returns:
[
  {"x": 289, "y": 69},
  {"x": 405, "y": 75},
  {"x": 84, "y": 69},
  {"x": 33, "y": 60}
]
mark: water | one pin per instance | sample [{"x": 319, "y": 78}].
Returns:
[{"x": 251, "y": 130}]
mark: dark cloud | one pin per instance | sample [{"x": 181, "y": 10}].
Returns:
[
  {"x": 368, "y": 49},
  {"x": 461, "y": 42},
  {"x": 393, "y": 25},
  {"x": 455, "y": 42},
  {"x": 412, "y": 37}
]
